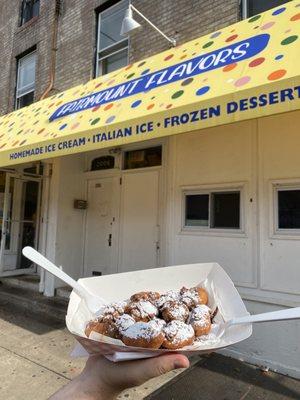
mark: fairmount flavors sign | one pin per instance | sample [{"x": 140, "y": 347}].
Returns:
[{"x": 206, "y": 62}]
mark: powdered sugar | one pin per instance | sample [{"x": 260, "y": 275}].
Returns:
[
  {"x": 178, "y": 331},
  {"x": 172, "y": 295},
  {"x": 142, "y": 330},
  {"x": 124, "y": 322}
]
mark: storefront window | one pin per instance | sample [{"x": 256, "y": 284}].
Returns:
[
  {"x": 213, "y": 210},
  {"x": 289, "y": 209},
  {"x": 254, "y": 7},
  {"x": 143, "y": 158}
]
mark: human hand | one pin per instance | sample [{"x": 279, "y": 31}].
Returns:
[{"x": 102, "y": 379}]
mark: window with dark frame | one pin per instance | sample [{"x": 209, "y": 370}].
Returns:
[
  {"x": 29, "y": 10},
  {"x": 288, "y": 208},
  {"x": 25, "y": 80},
  {"x": 213, "y": 210},
  {"x": 143, "y": 158},
  {"x": 112, "y": 48},
  {"x": 254, "y": 7}
]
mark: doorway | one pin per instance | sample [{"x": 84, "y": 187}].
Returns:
[
  {"x": 122, "y": 226},
  {"x": 19, "y": 213}
]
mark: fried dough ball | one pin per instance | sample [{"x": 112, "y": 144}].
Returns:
[
  {"x": 193, "y": 297},
  {"x": 143, "y": 334},
  {"x": 175, "y": 310},
  {"x": 178, "y": 335},
  {"x": 200, "y": 320},
  {"x": 142, "y": 310}
]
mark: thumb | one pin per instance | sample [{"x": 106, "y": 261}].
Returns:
[{"x": 153, "y": 367}]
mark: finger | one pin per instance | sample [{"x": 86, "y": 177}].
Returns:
[{"x": 141, "y": 371}]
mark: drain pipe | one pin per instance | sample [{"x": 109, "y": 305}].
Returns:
[{"x": 58, "y": 4}]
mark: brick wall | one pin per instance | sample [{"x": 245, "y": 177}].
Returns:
[{"x": 75, "y": 50}]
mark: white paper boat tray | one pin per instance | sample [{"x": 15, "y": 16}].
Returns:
[{"x": 117, "y": 287}]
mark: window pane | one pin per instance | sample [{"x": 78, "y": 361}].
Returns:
[
  {"x": 226, "y": 210},
  {"x": 289, "y": 209},
  {"x": 114, "y": 62},
  {"x": 150, "y": 157},
  {"x": 258, "y": 6},
  {"x": 25, "y": 100},
  {"x": 110, "y": 25},
  {"x": 30, "y": 9},
  {"x": 26, "y": 74},
  {"x": 196, "y": 210}
]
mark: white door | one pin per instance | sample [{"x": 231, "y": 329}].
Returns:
[
  {"x": 20, "y": 216},
  {"x": 101, "y": 222},
  {"x": 139, "y": 231}
]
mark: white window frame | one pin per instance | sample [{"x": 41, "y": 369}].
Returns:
[
  {"x": 244, "y": 8},
  {"x": 276, "y": 232},
  {"x": 111, "y": 50},
  {"x": 207, "y": 229},
  {"x": 30, "y": 90}
]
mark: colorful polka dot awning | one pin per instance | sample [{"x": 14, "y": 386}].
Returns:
[{"x": 247, "y": 70}]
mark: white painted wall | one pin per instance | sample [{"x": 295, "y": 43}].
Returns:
[{"x": 265, "y": 266}]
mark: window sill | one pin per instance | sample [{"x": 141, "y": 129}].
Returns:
[
  {"x": 216, "y": 233},
  {"x": 269, "y": 297},
  {"x": 27, "y": 24}
]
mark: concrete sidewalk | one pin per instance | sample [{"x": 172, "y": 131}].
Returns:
[
  {"x": 221, "y": 378},
  {"x": 35, "y": 349},
  {"x": 35, "y": 362}
]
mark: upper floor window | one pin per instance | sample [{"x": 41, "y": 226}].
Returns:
[
  {"x": 30, "y": 9},
  {"x": 25, "y": 80},
  {"x": 254, "y": 7},
  {"x": 112, "y": 48}
]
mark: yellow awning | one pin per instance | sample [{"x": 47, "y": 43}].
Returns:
[{"x": 248, "y": 70}]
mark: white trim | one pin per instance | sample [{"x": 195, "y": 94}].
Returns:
[
  {"x": 208, "y": 230},
  {"x": 244, "y": 8},
  {"x": 275, "y": 231}
]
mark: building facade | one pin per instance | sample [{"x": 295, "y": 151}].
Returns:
[{"x": 229, "y": 194}]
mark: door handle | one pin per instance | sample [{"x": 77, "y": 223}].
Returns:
[{"x": 109, "y": 240}]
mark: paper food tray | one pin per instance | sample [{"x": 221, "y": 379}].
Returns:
[{"x": 118, "y": 287}]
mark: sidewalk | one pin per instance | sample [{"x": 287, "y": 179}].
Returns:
[
  {"x": 35, "y": 362},
  {"x": 221, "y": 378}
]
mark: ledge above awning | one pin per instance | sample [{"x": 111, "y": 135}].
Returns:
[{"x": 248, "y": 70}]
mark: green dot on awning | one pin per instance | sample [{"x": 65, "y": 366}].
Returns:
[
  {"x": 177, "y": 94},
  {"x": 289, "y": 40},
  {"x": 255, "y": 18}
]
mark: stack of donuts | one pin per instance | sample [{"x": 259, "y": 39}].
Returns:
[{"x": 151, "y": 320}]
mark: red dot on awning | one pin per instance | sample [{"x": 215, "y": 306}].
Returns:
[
  {"x": 231, "y": 38},
  {"x": 168, "y": 57},
  {"x": 256, "y": 62}
]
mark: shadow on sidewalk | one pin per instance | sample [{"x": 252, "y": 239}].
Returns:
[{"x": 223, "y": 378}]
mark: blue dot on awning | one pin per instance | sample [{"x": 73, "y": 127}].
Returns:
[
  {"x": 279, "y": 57},
  {"x": 62, "y": 127},
  {"x": 279, "y": 11},
  {"x": 136, "y": 103},
  {"x": 202, "y": 90}
]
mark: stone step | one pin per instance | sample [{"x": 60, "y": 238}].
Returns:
[
  {"x": 34, "y": 302},
  {"x": 30, "y": 282}
]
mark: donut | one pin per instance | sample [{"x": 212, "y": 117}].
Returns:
[
  {"x": 172, "y": 295},
  {"x": 142, "y": 310},
  {"x": 124, "y": 322},
  {"x": 200, "y": 320},
  {"x": 159, "y": 322},
  {"x": 113, "y": 310},
  {"x": 194, "y": 296},
  {"x": 178, "y": 335},
  {"x": 175, "y": 310},
  {"x": 143, "y": 334},
  {"x": 104, "y": 328},
  {"x": 148, "y": 296}
]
